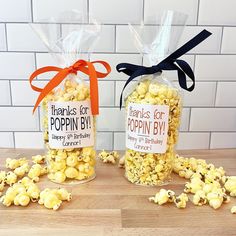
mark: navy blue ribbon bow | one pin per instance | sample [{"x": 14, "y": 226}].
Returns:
[{"x": 169, "y": 63}]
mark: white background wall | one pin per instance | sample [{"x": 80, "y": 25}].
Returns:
[{"x": 209, "y": 115}]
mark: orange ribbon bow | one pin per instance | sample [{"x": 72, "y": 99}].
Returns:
[{"x": 81, "y": 65}]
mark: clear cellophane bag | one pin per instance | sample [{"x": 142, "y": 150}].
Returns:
[
  {"x": 69, "y": 38},
  {"x": 151, "y": 146}
]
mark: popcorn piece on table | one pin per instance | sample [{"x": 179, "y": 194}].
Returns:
[
  {"x": 21, "y": 193},
  {"x": 108, "y": 157},
  {"x": 181, "y": 200},
  {"x": 36, "y": 171},
  {"x": 10, "y": 178},
  {"x": 52, "y": 198},
  {"x": 38, "y": 159},
  {"x": 22, "y": 199},
  {"x": 122, "y": 162},
  {"x": 22, "y": 170},
  {"x": 230, "y": 185},
  {"x": 199, "y": 198},
  {"x": 163, "y": 196},
  {"x": 14, "y": 163},
  {"x": 233, "y": 210}
]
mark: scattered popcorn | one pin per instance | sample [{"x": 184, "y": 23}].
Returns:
[
  {"x": 14, "y": 163},
  {"x": 63, "y": 194},
  {"x": 153, "y": 168},
  {"x": 22, "y": 170},
  {"x": 10, "y": 178},
  {"x": 38, "y": 159},
  {"x": 233, "y": 210},
  {"x": 49, "y": 199},
  {"x": 122, "y": 162},
  {"x": 194, "y": 185},
  {"x": 108, "y": 157},
  {"x": 199, "y": 198},
  {"x": 22, "y": 199},
  {"x": 36, "y": 171},
  {"x": 163, "y": 196},
  {"x": 21, "y": 193},
  {"x": 52, "y": 198},
  {"x": 215, "y": 199},
  {"x": 33, "y": 192},
  {"x": 181, "y": 200},
  {"x": 230, "y": 185}
]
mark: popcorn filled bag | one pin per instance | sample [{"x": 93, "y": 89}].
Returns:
[
  {"x": 153, "y": 105},
  {"x": 69, "y": 103}
]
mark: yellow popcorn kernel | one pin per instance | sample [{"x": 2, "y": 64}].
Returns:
[
  {"x": 33, "y": 192},
  {"x": 233, "y": 210},
  {"x": 63, "y": 194},
  {"x": 89, "y": 151},
  {"x": 26, "y": 181},
  {"x": 43, "y": 195},
  {"x": 8, "y": 199},
  {"x": 18, "y": 188},
  {"x": 181, "y": 200},
  {"x": 22, "y": 170},
  {"x": 36, "y": 171},
  {"x": 230, "y": 185},
  {"x": 199, "y": 198},
  {"x": 142, "y": 88},
  {"x": 163, "y": 196},
  {"x": 215, "y": 199},
  {"x": 11, "y": 178},
  {"x": 22, "y": 199},
  {"x": 159, "y": 168},
  {"x": 62, "y": 154},
  {"x": 51, "y": 201},
  {"x": 72, "y": 160},
  {"x": 58, "y": 177},
  {"x": 193, "y": 186},
  {"x": 81, "y": 176},
  {"x": 71, "y": 172},
  {"x": 38, "y": 159},
  {"x": 58, "y": 165},
  {"x": 12, "y": 163},
  {"x": 108, "y": 157}
]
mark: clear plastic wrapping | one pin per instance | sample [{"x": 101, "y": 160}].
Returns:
[
  {"x": 69, "y": 128},
  {"x": 153, "y": 106}
]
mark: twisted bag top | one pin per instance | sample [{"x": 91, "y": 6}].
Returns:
[
  {"x": 81, "y": 65},
  {"x": 169, "y": 63}
]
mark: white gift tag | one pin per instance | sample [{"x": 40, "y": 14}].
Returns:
[
  {"x": 70, "y": 124},
  {"x": 147, "y": 127}
]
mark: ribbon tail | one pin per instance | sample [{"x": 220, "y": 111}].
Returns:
[
  {"x": 93, "y": 88},
  {"x": 189, "y": 72},
  {"x": 192, "y": 43}
]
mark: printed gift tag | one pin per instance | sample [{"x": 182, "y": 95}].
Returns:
[
  {"x": 147, "y": 127},
  {"x": 70, "y": 124}
]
